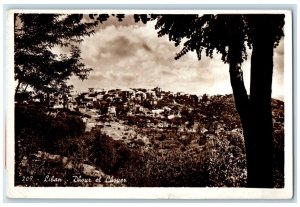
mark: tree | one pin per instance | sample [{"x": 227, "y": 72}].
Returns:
[
  {"x": 36, "y": 65},
  {"x": 267, "y": 31},
  {"x": 228, "y": 35}
]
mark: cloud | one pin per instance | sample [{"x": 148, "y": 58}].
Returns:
[
  {"x": 133, "y": 56},
  {"x": 130, "y": 55},
  {"x": 98, "y": 77}
]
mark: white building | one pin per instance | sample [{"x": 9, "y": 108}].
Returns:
[
  {"x": 112, "y": 111},
  {"x": 140, "y": 95}
]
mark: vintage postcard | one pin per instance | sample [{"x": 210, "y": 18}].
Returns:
[{"x": 149, "y": 104}]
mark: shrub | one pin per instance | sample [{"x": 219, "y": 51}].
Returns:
[
  {"x": 47, "y": 128},
  {"x": 153, "y": 169},
  {"x": 108, "y": 154},
  {"x": 226, "y": 163},
  {"x": 185, "y": 140},
  {"x": 162, "y": 137},
  {"x": 103, "y": 152},
  {"x": 139, "y": 142}
]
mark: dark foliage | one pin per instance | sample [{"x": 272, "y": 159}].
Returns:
[
  {"x": 47, "y": 126},
  {"x": 36, "y": 65}
]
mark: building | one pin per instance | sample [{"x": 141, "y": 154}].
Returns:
[
  {"x": 72, "y": 105},
  {"x": 140, "y": 95},
  {"x": 112, "y": 111}
]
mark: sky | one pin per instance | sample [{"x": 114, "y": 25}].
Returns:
[{"x": 130, "y": 55}]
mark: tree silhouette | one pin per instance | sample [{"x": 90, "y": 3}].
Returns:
[
  {"x": 36, "y": 65},
  {"x": 229, "y": 35}
]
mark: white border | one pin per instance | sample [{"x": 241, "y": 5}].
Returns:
[
  {"x": 144, "y": 11},
  {"x": 157, "y": 2},
  {"x": 152, "y": 193}
]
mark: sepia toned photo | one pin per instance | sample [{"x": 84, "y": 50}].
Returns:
[{"x": 150, "y": 101}]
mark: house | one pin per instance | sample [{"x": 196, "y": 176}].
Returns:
[
  {"x": 157, "y": 91},
  {"x": 151, "y": 94},
  {"x": 90, "y": 97},
  {"x": 90, "y": 126},
  {"x": 172, "y": 116},
  {"x": 157, "y": 112},
  {"x": 166, "y": 108},
  {"x": 129, "y": 94},
  {"x": 112, "y": 111},
  {"x": 91, "y": 90},
  {"x": 117, "y": 100},
  {"x": 99, "y": 90},
  {"x": 72, "y": 105},
  {"x": 160, "y": 125},
  {"x": 147, "y": 112},
  {"x": 140, "y": 95},
  {"x": 58, "y": 105},
  {"x": 85, "y": 119},
  {"x": 95, "y": 90},
  {"x": 180, "y": 94},
  {"x": 100, "y": 95}
]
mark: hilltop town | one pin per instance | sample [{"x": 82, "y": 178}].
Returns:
[
  {"x": 97, "y": 104},
  {"x": 137, "y": 117}
]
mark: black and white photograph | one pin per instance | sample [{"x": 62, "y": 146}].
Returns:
[{"x": 151, "y": 100}]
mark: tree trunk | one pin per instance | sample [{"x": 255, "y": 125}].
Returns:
[
  {"x": 255, "y": 112},
  {"x": 239, "y": 91},
  {"x": 240, "y": 97},
  {"x": 25, "y": 88},
  {"x": 260, "y": 146},
  {"x": 17, "y": 88}
]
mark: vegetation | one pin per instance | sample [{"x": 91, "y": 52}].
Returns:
[
  {"x": 212, "y": 157},
  {"x": 37, "y": 67}
]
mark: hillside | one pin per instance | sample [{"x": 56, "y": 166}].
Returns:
[{"x": 178, "y": 141}]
